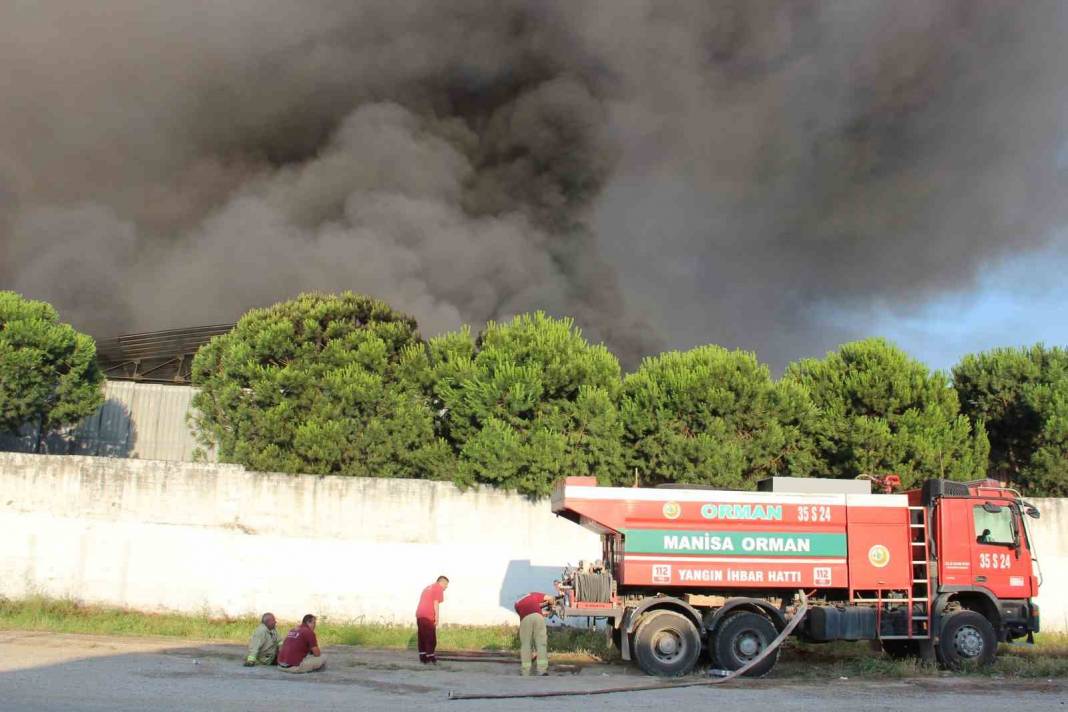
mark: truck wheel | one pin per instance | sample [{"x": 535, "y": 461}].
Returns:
[
  {"x": 741, "y": 638},
  {"x": 666, "y": 644},
  {"x": 967, "y": 638}
]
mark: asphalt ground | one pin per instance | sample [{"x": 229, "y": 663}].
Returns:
[{"x": 59, "y": 673}]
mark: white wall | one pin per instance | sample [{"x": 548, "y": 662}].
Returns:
[
  {"x": 157, "y": 535},
  {"x": 1051, "y": 545}
]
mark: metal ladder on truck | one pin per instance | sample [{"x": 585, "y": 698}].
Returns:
[
  {"x": 921, "y": 599},
  {"x": 918, "y": 599}
]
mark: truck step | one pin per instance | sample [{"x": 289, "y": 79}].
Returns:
[{"x": 904, "y": 637}]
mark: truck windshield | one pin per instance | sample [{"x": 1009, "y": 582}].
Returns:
[{"x": 994, "y": 527}]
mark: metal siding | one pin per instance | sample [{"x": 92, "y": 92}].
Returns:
[{"x": 138, "y": 420}]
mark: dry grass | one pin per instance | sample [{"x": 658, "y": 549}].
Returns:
[
  {"x": 67, "y": 616},
  {"x": 1048, "y": 658}
]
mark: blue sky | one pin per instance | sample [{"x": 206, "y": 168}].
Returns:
[{"x": 1018, "y": 301}]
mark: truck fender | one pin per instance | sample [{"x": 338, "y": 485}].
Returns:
[
  {"x": 669, "y": 603},
  {"x": 980, "y": 599},
  {"x": 750, "y": 604}
]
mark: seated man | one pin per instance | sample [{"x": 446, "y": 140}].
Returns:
[
  {"x": 263, "y": 647},
  {"x": 300, "y": 650}
]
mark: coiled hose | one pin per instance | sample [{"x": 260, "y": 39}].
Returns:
[{"x": 593, "y": 587}]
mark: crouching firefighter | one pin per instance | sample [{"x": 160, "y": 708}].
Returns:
[{"x": 533, "y": 609}]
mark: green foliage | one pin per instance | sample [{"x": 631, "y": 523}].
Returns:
[
  {"x": 529, "y": 402},
  {"x": 48, "y": 371},
  {"x": 882, "y": 411},
  {"x": 713, "y": 416},
  {"x": 1021, "y": 395},
  {"x": 324, "y": 385}
]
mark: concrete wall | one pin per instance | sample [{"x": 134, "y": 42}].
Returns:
[
  {"x": 1050, "y": 535},
  {"x": 159, "y": 535},
  {"x": 139, "y": 420}
]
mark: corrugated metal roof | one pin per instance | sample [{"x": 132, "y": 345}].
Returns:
[{"x": 157, "y": 356}]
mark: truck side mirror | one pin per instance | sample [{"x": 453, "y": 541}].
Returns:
[
  {"x": 991, "y": 508},
  {"x": 1032, "y": 512}
]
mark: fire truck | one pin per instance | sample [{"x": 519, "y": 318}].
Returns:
[{"x": 942, "y": 572}]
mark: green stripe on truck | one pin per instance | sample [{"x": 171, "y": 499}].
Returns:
[{"x": 726, "y": 543}]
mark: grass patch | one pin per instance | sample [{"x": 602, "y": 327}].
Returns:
[
  {"x": 1048, "y": 658},
  {"x": 68, "y": 616}
]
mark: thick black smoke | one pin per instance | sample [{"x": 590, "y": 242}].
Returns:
[{"x": 721, "y": 171}]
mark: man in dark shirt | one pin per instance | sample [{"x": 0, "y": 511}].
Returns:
[
  {"x": 532, "y": 609},
  {"x": 426, "y": 619},
  {"x": 300, "y": 650}
]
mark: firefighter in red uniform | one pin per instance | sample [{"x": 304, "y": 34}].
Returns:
[{"x": 426, "y": 619}]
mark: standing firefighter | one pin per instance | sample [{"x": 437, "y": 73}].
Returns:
[
  {"x": 532, "y": 609},
  {"x": 426, "y": 619}
]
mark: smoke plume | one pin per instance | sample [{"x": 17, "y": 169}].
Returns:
[{"x": 669, "y": 173}]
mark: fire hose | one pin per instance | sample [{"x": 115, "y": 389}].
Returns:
[{"x": 794, "y": 622}]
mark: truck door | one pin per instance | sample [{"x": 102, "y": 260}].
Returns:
[{"x": 1000, "y": 559}]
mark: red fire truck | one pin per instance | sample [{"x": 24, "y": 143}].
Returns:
[{"x": 942, "y": 572}]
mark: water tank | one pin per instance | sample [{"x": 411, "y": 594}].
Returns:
[{"x": 813, "y": 485}]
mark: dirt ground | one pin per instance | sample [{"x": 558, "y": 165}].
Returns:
[{"x": 46, "y": 671}]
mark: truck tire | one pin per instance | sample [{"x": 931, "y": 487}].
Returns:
[
  {"x": 741, "y": 638},
  {"x": 967, "y": 638},
  {"x": 666, "y": 644}
]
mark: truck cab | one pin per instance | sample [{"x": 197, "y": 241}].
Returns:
[{"x": 985, "y": 561}]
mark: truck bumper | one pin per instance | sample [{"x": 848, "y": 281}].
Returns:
[{"x": 1019, "y": 618}]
